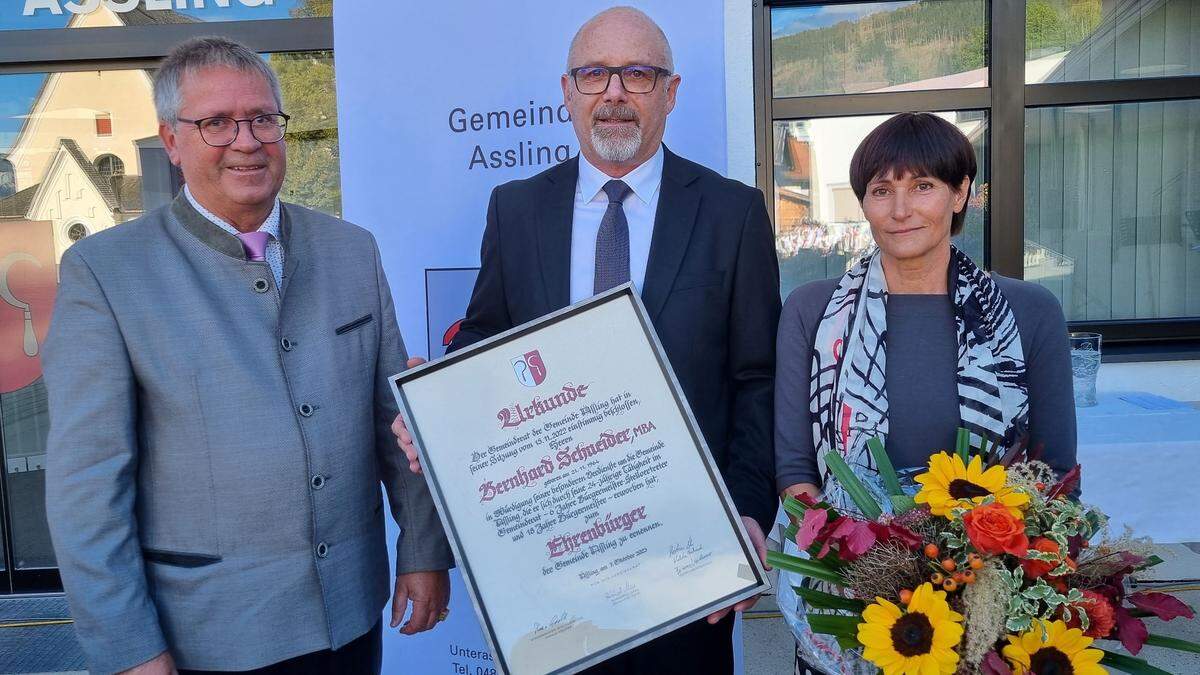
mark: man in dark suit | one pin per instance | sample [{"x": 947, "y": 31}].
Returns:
[{"x": 699, "y": 248}]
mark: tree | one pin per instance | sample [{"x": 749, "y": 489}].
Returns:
[{"x": 307, "y": 81}]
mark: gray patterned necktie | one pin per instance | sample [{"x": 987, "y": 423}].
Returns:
[{"x": 612, "y": 241}]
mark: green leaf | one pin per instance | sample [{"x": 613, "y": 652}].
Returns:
[
  {"x": 962, "y": 444},
  {"x": 1173, "y": 643},
  {"x": 887, "y": 472},
  {"x": 1150, "y": 562},
  {"x": 848, "y": 643},
  {"x": 823, "y": 600},
  {"x": 853, "y": 486},
  {"x": 834, "y": 624},
  {"x": 790, "y": 532},
  {"x": 902, "y": 504},
  {"x": 808, "y": 568},
  {"x": 794, "y": 507},
  {"x": 1128, "y": 664},
  {"x": 1018, "y": 624}
]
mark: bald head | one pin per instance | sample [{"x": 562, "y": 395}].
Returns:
[{"x": 626, "y": 22}]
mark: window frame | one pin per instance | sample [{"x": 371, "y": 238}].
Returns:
[
  {"x": 1005, "y": 100},
  {"x": 121, "y": 48}
]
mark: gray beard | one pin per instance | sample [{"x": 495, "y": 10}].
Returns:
[{"x": 616, "y": 147}]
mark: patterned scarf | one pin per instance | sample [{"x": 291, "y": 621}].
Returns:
[{"x": 848, "y": 398}]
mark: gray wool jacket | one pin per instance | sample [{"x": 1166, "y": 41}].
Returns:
[{"x": 217, "y": 444}]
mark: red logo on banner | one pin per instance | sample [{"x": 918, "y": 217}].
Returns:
[
  {"x": 529, "y": 369},
  {"x": 28, "y": 281}
]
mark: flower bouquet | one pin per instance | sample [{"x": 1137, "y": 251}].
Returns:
[{"x": 989, "y": 568}]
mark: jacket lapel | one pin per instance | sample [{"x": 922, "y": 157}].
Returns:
[
  {"x": 294, "y": 243},
  {"x": 554, "y": 232},
  {"x": 674, "y": 220}
]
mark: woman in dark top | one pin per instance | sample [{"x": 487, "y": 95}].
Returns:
[{"x": 914, "y": 341}]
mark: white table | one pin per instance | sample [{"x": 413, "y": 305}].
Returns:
[{"x": 1141, "y": 464}]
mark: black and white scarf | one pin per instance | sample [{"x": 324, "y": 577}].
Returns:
[{"x": 848, "y": 393}]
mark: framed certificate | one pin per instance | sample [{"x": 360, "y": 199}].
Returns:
[{"x": 585, "y": 511}]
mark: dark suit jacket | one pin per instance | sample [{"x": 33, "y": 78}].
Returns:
[{"x": 711, "y": 288}]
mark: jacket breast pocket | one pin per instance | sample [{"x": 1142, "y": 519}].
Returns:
[
  {"x": 688, "y": 280},
  {"x": 179, "y": 558},
  {"x": 354, "y": 325}
]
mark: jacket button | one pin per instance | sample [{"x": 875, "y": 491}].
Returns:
[
  {"x": 286, "y": 344},
  {"x": 318, "y": 482},
  {"x": 261, "y": 285},
  {"x": 306, "y": 410},
  {"x": 322, "y": 550}
]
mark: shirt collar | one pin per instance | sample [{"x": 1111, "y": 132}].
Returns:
[
  {"x": 644, "y": 180},
  {"x": 270, "y": 225}
]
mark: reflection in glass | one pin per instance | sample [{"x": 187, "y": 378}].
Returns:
[
  {"x": 820, "y": 229},
  {"x": 26, "y": 421},
  {"x": 1112, "y": 208},
  {"x": 878, "y": 46},
  {"x": 80, "y": 153},
  {"x": 313, "y": 168},
  {"x": 1081, "y": 40}
]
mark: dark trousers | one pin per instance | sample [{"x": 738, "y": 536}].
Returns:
[
  {"x": 364, "y": 655},
  {"x": 696, "y": 649}
]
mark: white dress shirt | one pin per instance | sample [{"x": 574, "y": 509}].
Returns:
[
  {"x": 640, "y": 206},
  {"x": 274, "y": 252}
]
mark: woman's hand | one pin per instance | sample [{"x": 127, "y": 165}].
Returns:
[{"x": 799, "y": 489}]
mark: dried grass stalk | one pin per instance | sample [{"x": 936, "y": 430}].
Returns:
[{"x": 884, "y": 571}]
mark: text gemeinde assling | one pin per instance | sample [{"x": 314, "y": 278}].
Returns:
[{"x": 577, "y": 467}]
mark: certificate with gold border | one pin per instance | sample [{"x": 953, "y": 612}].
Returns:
[{"x": 585, "y": 511}]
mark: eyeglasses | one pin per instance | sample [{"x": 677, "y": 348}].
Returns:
[
  {"x": 222, "y": 131},
  {"x": 635, "y": 79}
]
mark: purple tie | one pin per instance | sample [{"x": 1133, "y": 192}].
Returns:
[{"x": 255, "y": 244}]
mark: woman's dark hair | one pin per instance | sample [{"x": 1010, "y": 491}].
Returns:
[{"x": 919, "y": 144}]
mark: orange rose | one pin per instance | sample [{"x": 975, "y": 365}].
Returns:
[
  {"x": 992, "y": 529},
  {"x": 1036, "y": 568}
]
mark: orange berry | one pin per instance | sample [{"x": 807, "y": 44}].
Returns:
[
  {"x": 950, "y": 585},
  {"x": 969, "y": 577},
  {"x": 976, "y": 563},
  {"x": 958, "y": 576},
  {"x": 931, "y": 551},
  {"x": 937, "y": 578},
  {"x": 905, "y": 596},
  {"x": 949, "y": 565},
  {"x": 1040, "y": 486}
]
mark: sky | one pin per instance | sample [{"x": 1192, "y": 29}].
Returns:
[{"x": 792, "y": 20}]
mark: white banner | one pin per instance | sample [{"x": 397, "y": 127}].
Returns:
[{"x": 439, "y": 103}]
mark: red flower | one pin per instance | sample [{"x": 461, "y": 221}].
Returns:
[
  {"x": 992, "y": 529},
  {"x": 1102, "y": 617}
]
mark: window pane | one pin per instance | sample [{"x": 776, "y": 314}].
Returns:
[
  {"x": 314, "y": 176},
  {"x": 61, "y": 181},
  {"x": 819, "y": 225},
  {"x": 1078, "y": 40},
  {"x": 106, "y": 14},
  {"x": 1112, "y": 208},
  {"x": 878, "y": 46}
]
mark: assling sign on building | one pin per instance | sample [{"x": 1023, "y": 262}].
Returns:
[{"x": 120, "y": 6}]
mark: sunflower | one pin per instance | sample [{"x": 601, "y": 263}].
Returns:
[
  {"x": 950, "y": 484},
  {"x": 918, "y": 641},
  {"x": 1064, "y": 651}
]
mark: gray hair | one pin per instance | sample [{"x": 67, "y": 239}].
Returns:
[
  {"x": 628, "y": 11},
  {"x": 204, "y": 52}
]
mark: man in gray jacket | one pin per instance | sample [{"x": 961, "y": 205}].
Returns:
[{"x": 219, "y": 411}]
